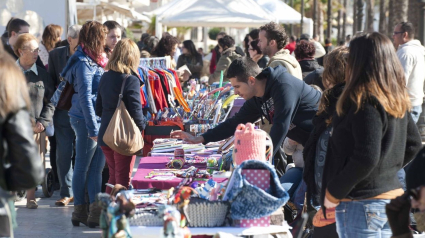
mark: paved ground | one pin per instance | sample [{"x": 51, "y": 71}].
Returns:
[{"x": 49, "y": 220}]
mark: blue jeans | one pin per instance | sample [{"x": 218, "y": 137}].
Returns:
[
  {"x": 416, "y": 112},
  {"x": 291, "y": 179},
  {"x": 362, "y": 219},
  {"x": 89, "y": 163},
  {"x": 65, "y": 137}
]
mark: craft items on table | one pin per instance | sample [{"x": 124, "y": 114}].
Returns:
[{"x": 249, "y": 144}]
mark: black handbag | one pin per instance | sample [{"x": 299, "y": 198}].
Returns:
[{"x": 64, "y": 102}]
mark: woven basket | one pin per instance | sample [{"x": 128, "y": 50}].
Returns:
[
  {"x": 145, "y": 218},
  {"x": 204, "y": 213}
]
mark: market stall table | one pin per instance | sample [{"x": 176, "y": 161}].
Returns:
[
  {"x": 155, "y": 231},
  {"x": 147, "y": 164}
]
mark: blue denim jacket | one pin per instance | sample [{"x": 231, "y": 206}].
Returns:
[{"x": 84, "y": 74}]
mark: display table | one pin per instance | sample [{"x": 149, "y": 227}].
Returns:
[
  {"x": 147, "y": 164},
  {"x": 155, "y": 231}
]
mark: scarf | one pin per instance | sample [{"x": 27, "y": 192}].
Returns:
[{"x": 101, "y": 60}]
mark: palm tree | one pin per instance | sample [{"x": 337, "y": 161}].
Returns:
[
  {"x": 413, "y": 14},
  {"x": 382, "y": 16},
  {"x": 339, "y": 32},
  {"x": 370, "y": 15},
  {"x": 391, "y": 17},
  {"x": 354, "y": 17},
  {"x": 360, "y": 7},
  {"x": 329, "y": 20},
  {"x": 344, "y": 18},
  {"x": 400, "y": 7}
]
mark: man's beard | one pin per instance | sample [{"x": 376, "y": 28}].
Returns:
[{"x": 266, "y": 50}]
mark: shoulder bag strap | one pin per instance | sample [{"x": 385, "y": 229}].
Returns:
[{"x": 122, "y": 90}]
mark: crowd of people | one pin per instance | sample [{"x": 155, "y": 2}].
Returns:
[{"x": 342, "y": 119}]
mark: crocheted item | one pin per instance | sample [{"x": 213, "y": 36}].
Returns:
[
  {"x": 203, "y": 213},
  {"x": 250, "y": 201},
  {"x": 249, "y": 144},
  {"x": 145, "y": 218}
]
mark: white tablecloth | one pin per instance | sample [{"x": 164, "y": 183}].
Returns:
[{"x": 155, "y": 231}]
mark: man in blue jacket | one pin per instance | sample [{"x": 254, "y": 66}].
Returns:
[{"x": 285, "y": 101}]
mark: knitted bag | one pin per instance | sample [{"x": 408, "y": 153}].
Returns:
[
  {"x": 249, "y": 201},
  {"x": 249, "y": 144}
]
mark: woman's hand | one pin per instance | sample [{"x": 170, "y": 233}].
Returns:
[
  {"x": 256, "y": 57},
  {"x": 38, "y": 128},
  {"x": 329, "y": 204}
]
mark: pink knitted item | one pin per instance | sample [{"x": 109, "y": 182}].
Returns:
[{"x": 250, "y": 144}]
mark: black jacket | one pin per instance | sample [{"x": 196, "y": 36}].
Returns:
[
  {"x": 415, "y": 175},
  {"x": 107, "y": 100},
  {"x": 9, "y": 50},
  {"x": 308, "y": 66},
  {"x": 194, "y": 63},
  {"x": 287, "y": 100},
  {"x": 18, "y": 149},
  {"x": 57, "y": 62},
  {"x": 366, "y": 150},
  {"x": 262, "y": 63},
  {"x": 315, "y": 78},
  {"x": 320, "y": 125}
]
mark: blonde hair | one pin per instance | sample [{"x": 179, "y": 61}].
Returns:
[
  {"x": 125, "y": 58},
  {"x": 13, "y": 86},
  {"x": 21, "y": 41},
  {"x": 374, "y": 70}
]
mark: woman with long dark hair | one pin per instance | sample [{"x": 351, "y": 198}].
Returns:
[
  {"x": 373, "y": 137},
  {"x": 84, "y": 70},
  {"x": 256, "y": 54},
  {"x": 191, "y": 58}
]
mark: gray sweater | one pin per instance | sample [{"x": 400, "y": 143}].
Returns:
[{"x": 41, "y": 89}]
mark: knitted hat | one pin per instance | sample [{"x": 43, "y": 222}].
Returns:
[{"x": 250, "y": 144}]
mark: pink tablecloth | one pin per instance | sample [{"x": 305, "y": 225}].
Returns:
[{"x": 147, "y": 164}]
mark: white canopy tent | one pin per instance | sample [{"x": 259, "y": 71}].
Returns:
[
  {"x": 103, "y": 8},
  {"x": 211, "y": 13},
  {"x": 286, "y": 14}
]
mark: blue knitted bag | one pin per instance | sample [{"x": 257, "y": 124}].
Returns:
[{"x": 249, "y": 201}]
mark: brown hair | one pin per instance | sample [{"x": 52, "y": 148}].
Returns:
[
  {"x": 373, "y": 70},
  {"x": 304, "y": 50},
  {"x": 21, "y": 41},
  {"x": 50, "y": 36},
  {"x": 275, "y": 31},
  {"x": 125, "y": 58},
  {"x": 335, "y": 64},
  {"x": 12, "y": 85},
  {"x": 92, "y": 37}
]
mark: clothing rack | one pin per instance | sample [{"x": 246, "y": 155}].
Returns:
[{"x": 156, "y": 62}]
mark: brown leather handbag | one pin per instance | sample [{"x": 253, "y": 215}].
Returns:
[
  {"x": 122, "y": 134},
  {"x": 64, "y": 102}
]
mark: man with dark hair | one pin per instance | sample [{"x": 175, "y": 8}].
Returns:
[
  {"x": 272, "y": 40},
  {"x": 285, "y": 101},
  {"x": 15, "y": 28},
  {"x": 411, "y": 54},
  {"x": 141, "y": 43}
]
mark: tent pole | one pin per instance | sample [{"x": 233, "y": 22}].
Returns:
[
  {"x": 302, "y": 16},
  {"x": 205, "y": 33}
]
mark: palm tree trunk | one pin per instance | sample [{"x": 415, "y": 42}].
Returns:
[
  {"x": 329, "y": 20},
  {"x": 370, "y": 15},
  {"x": 339, "y": 32},
  {"x": 302, "y": 16},
  {"x": 354, "y": 17},
  {"x": 360, "y": 7},
  {"x": 400, "y": 7},
  {"x": 413, "y": 14},
  {"x": 320, "y": 21},
  {"x": 315, "y": 23},
  {"x": 391, "y": 17},
  {"x": 382, "y": 16},
  {"x": 344, "y": 19}
]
